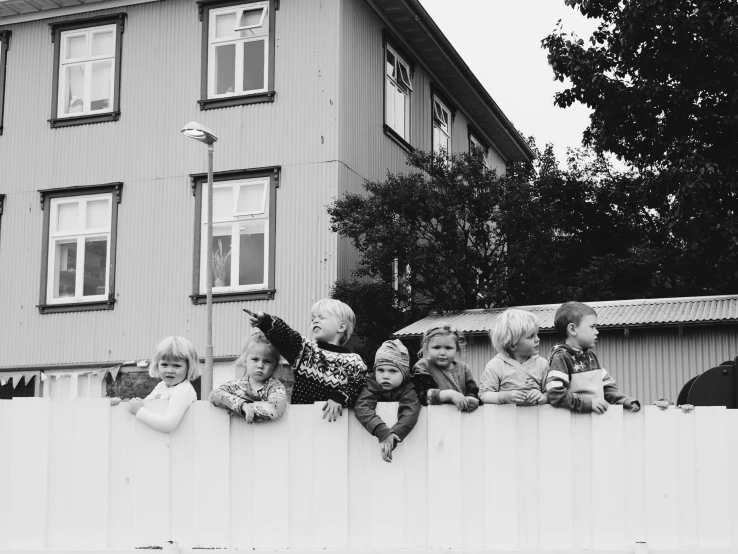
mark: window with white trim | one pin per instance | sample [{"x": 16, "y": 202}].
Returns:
[
  {"x": 397, "y": 93},
  {"x": 79, "y": 249},
  {"x": 243, "y": 235},
  {"x": 86, "y": 71},
  {"x": 441, "y": 127},
  {"x": 238, "y": 50}
]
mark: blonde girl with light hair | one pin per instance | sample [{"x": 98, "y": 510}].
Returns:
[{"x": 517, "y": 374}]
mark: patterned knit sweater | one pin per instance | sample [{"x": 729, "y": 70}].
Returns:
[
  {"x": 322, "y": 371},
  {"x": 576, "y": 377}
]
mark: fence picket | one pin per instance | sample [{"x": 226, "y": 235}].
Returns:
[
  {"x": 4, "y": 470},
  {"x": 581, "y": 475},
  {"x": 212, "y": 459},
  {"x": 444, "y": 477},
  {"x": 182, "y": 468},
  {"x": 686, "y": 478},
  {"x": 302, "y": 491},
  {"x": 330, "y": 474},
  {"x": 362, "y": 448},
  {"x": 500, "y": 483},
  {"x": 634, "y": 486},
  {"x": 271, "y": 455},
  {"x": 28, "y": 469},
  {"x": 527, "y": 476},
  {"x": 90, "y": 464},
  {"x": 120, "y": 519},
  {"x": 608, "y": 480},
  {"x": 713, "y": 516},
  {"x": 556, "y": 481},
  {"x": 416, "y": 484},
  {"x": 61, "y": 430},
  {"x": 660, "y": 458},
  {"x": 472, "y": 465}
]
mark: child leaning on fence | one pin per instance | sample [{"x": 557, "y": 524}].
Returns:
[
  {"x": 517, "y": 374},
  {"x": 391, "y": 383},
  {"x": 438, "y": 376},
  {"x": 576, "y": 380},
  {"x": 324, "y": 369},
  {"x": 257, "y": 395},
  {"x": 175, "y": 362}
]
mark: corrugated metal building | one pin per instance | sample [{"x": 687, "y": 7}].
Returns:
[
  {"x": 651, "y": 347},
  {"x": 308, "y": 98}
]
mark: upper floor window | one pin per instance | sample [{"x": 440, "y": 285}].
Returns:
[
  {"x": 441, "y": 127},
  {"x": 87, "y": 70},
  {"x": 79, "y": 248},
  {"x": 4, "y": 46},
  {"x": 397, "y": 90},
  {"x": 477, "y": 147},
  {"x": 238, "y": 53},
  {"x": 244, "y": 211}
]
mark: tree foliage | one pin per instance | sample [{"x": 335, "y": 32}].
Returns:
[{"x": 662, "y": 80}]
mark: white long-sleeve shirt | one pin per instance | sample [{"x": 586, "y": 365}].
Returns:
[{"x": 179, "y": 396}]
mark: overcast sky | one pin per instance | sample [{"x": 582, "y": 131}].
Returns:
[{"x": 500, "y": 40}]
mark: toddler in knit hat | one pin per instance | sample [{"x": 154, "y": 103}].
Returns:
[{"x": 391, "y": 382}]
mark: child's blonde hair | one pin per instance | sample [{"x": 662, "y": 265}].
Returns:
[
  {"x": 254, "y": 339},
  {"x": 440, "y": 329},
  {"x": 340, "y": 311},
  {"x": 510, "y": 326},
  {"x": 176, "y": 348}
]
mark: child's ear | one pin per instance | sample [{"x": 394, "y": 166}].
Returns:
[
  {"x": 342, "y": 327},
  {"x": 571, "y": 329}
]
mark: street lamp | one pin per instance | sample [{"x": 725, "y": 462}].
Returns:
[{"x": 203, "y": 134}]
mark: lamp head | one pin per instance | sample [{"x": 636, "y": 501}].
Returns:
[{"x": 199, "y": 132}]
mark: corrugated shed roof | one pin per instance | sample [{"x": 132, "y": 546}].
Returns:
[{"x": 651, "y": 312}]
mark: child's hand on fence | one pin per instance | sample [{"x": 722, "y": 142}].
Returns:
[
  {"x": 662, "y": 404},
  {"x": 471, "y": 403},
  {"x": 458, "y": 400},
  {"x": 686, "y": 408},
  {"x": 332, "y": 410},
  {"x": 534, "y": 397},
  {"x": 254, "y": 317},
  {"x": 599, "y": 406},
  {"x": 134, "y": 405},
  {"x": 248, "y": 413},
  {"x": 387, "y": 446},
  {"x": 634, "y": 406},
  {"x": 115, "y": 401},
  {"x": 513, "y": 397}
]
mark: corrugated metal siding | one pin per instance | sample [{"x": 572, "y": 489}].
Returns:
[
  {"x": 144, "y": 150},
  {"x": 613, "y": 313},
  {"x": 648, "y": 364}
]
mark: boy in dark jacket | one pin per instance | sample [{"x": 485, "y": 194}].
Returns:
[{"x": 391, "y": 383}]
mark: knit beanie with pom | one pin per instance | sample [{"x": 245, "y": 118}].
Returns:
[{"x": 393, "y": 353}]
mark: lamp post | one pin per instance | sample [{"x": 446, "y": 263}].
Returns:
[{"x": 203, "y": 134}]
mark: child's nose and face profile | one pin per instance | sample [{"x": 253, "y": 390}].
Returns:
[
  {"x": 172, "y": 372},
  {"x": 586, "y": 332},
  {"x": 388, "y": 377},
  {"x": 260, "y": 363},
  {"x": 442, "y": 351}
]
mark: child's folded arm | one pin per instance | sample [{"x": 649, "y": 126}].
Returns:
[
  {"x": 227, "y": 400},
  {"x": 472, "y": 389},
  {"x": 557, "y": 388},
  {"x": 176, "y": 408},
  {"x": 274, "y": 406},
  {"x": 365, "y": 410},
  {"x": 612, "y": 394},
  {"x": 407, "y": 413},
  {"x": 285, "y": 339},
  {"x": 489, "y": 390}
]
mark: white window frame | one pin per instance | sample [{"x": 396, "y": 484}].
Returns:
[
  {"x": 214, "y": 42},
  {"x": 88, "y": 60},
  {"x": 235, "y": 220},
  {"x": 401, "y": 83},
  {"x": 441, "y": 127},
  {"x": 80, "y": 234}
]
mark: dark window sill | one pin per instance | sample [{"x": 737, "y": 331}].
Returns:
[
  {"x": 234, "y": 296},
  {"x": 215, "y": 103},
  {"x": 84, "y": 119},
  {"x": 391, "y": 133},
  {"x": 77, "y": 307}
]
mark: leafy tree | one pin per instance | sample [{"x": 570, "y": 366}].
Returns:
[{"x": 662, "y": 80}]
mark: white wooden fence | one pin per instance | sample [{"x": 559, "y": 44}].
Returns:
[{"x": 83, "y": 475}]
